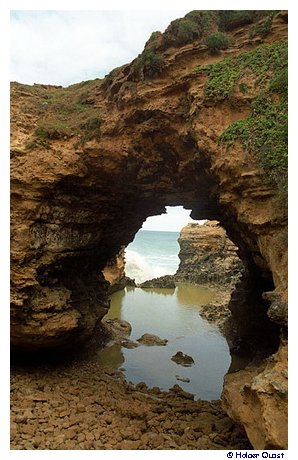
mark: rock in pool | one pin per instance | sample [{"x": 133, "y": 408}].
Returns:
[
  {"x": 182, "y": 359},
  {"x": 152, "y": 340}
]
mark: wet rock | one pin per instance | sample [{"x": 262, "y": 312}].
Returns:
[
  {"x": 182, "y": 359},
  {"x": 129, "y": 344},
  {"x": 278, "y": 312},
  {"x": 182, "y": 379},
  {"x": 163, "y": 282},
  {"x": 152, "y": 340},
  {"x": 117, "y": 329}
]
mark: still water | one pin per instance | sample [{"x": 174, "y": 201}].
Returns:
[{"x": 172, "y": 314}]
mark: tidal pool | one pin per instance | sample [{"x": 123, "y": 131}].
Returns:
[{"x": 173, "y": 314}]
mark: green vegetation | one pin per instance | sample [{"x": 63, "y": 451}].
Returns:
[
  {"x": 217, "y": 41},
  {"x": 263, "y": 28},
  {"x": 261, "y": 62},
  {"x": 187, "y": 29},
  {"x": 63, "y": 113},
  {"x": 149, "y": 64},
  {"x": 230, "y": 19},
  {"x": 264, "y": 134}
]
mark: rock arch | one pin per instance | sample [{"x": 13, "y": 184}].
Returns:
[
  {"x": 75, "y": 206},
  {"x": 89, "y": 163}
]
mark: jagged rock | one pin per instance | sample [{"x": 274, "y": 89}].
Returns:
[
  {"x": 256, "y": 397},
  {"x": 76, "y": 202},
  {"x": 207, "y": 255},
  {"x": 182, "y": 359},
  {"x": 152, "y": 340},
  {"x": 164, "y": 282}
]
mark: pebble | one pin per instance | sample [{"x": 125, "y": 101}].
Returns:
[{"x": 112, "y": 414}]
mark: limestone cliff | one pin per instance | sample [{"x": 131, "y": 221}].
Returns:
[
  {"x": 207, "y": 255},
  {"x": 186, "y": 123}
]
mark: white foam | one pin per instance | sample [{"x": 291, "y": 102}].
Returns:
[{"x": 140, "y": 269}]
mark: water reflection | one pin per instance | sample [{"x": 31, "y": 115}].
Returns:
[
  {"x": 174, "y": 316},
  {"x": 112, "y": 354},
  {"x": 160, "y": 291},
  {"x": 189, "y": 294}
]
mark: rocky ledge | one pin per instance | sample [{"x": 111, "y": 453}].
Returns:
[{"x": 207, "y": 255}]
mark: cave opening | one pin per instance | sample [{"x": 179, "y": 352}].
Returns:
[{"x": 170, "y": 305}]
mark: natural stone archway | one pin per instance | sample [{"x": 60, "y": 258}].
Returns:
[{"x": 91, "y": 162}]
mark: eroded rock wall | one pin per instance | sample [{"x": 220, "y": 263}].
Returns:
[
  {"x": 82, "y": 187},
  {"x": 207, "y": 255}
]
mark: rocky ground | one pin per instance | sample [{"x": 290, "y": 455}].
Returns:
[{"x": 84, "y": 405}]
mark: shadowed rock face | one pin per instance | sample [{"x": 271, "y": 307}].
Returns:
[{"x": 77, "y": 199}]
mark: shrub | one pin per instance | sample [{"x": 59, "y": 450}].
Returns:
[
  {"x": 91, "y": 129},
  {"x": 149, "y": 64},
  {"x": 187, "y": 29},
  {"x": 230, "y": 19},
  {"x": 279, "y": 83},
  {"x": 51, "y": 131},
  {"x": 153, "y": 37},
  {"x": 217, "y": 41},
  {"x": 262, "y": 61},
  {"x": 263, "y": 28}
]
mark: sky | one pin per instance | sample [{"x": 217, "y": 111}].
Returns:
[
  {"x": 65, "y": 47},
  {"x": 173, "y": 221}
]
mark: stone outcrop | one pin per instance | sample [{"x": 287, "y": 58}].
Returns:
[
  {"x": 182, "y": 359},
  {"x": 91, "y": 162},
  {"x": 78, "y": 196},
  {"x": 152, "y": 340},
  {"x": 164, "y": 282},
  {"x": 256, "y": 397},
  {"x": 207, "y": 255}
]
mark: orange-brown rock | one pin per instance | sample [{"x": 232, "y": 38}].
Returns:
[
  {"x": 82, "y": 187},
  {"x": 114, "y": 272},
  {"x": 256, "y": 398}
]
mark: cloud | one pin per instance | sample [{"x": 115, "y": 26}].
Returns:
[
  {"x": 175, "y": 218},
  {"x": 65, "y": 47}
]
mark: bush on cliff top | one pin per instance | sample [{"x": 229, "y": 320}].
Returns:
[
  {"x": 188, "y": 29},
  {"x": 230, "y": 19}
]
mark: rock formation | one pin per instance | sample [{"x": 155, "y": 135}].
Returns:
[
  {"x": 180, "y": 125},
  {"x": 114, "y": 272},
  {"x": 207, "y": 255}
]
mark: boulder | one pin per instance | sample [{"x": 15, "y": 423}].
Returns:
[
  {"x": 182, "y": 359},
  {"x": 152, "y": 340}
]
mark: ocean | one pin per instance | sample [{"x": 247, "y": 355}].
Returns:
[{"x": 152, "y": 254}]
